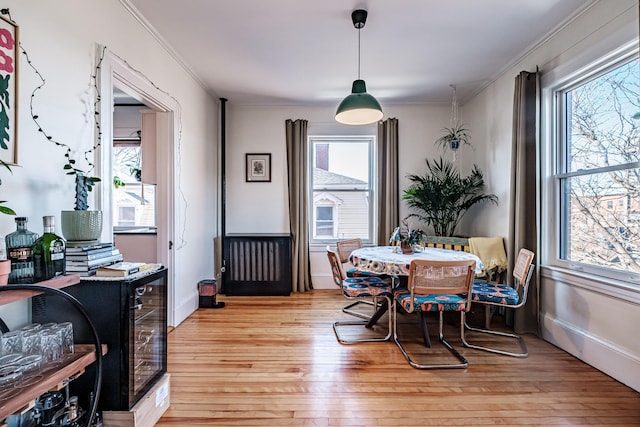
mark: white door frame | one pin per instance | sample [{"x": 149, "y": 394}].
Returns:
[{"x": 116, "y": 72}]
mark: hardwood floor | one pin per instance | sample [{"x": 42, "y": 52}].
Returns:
[{"x": 274, "y": 361}]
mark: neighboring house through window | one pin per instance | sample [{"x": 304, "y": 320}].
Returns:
[
  {"x": 134, "y": 201},
  {"x": 341, "y": 188}
]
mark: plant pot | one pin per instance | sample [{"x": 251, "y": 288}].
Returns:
[
  {"x": 406, "y": 248},
  {"x": 5, "y": 269},
  {"x": 81, "y": 225}
]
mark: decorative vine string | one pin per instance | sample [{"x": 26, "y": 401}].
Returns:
[
  {"x": 71, "y": 162},
  {"x": 70, "y": 166}
]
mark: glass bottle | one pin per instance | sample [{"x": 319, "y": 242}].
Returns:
[
  {"x": 48, "y": 252},
  {"x": 19, "y": 244}
]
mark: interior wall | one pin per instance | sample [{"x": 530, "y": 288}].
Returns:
[
  {"x": 263, "y": 207},
  {"x": 575, "y": 315},
  {"x": 61, "y": 40}
]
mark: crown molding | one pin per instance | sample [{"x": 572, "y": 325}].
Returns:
[{"x": 163, "y": 43}]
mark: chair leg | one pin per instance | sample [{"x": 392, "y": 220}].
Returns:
[
  {"x": 523, "y": 346},
  {"x": 362, "y": 323},
  {"x": 463, "y": 363}
]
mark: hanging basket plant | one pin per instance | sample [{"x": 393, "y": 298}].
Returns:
[
  {"x": 457, "y": 134},
  {"x": 454, "y": 137}
]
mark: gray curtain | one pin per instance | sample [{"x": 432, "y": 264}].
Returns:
[
  {"x": 387, "y": 173},
  {"x": 296, "y": 132},
  {"x": 523, "y": 229}
]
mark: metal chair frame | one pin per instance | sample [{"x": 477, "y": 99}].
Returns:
[
  {"x": 340, "y": 278},
  {"x": 522, "y": 272},
  {"x": 425, "y": 288},
  {"x": 344, "y": 249}
]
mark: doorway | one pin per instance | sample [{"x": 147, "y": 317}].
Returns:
[{"x": 117, "y": 78}]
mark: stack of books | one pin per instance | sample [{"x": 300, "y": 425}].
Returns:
[
  {"x": 122, "y": 269},
  {"x": 85, "y": 260}
]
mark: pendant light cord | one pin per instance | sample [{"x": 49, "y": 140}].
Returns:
[{"x": 359, "y": 53}]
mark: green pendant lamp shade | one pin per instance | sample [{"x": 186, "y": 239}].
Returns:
[{"x": 359, "y": 108}]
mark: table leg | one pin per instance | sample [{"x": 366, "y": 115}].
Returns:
[
  {"x": 425, "y": 329},
  {"x": 378, "y": 314}
]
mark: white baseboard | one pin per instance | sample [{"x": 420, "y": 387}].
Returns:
[
  {"x": 185, "y": 309},
  {"x": 323, "y": 281},
  {"x": 602, "y": 355}
]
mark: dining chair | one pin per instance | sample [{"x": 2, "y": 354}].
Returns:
[
  {"x": 358, "y": 288},
  {"x": 344, "y": 249},
  {"x": 435, "y": 286},
  {"x": 504, "y": 296}
]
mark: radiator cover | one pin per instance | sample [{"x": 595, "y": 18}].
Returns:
[{"x": 258, "y": 264}]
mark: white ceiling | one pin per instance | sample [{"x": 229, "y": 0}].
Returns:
[{"x": 276, "y": 52}]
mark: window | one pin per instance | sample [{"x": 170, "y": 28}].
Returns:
[
  {"x": 324, "y": 221},
  {"x": 134, "y": 201},
  {"x": 126, "y": 215},
  {"x": 598, "y": 170},
  {"x": 340, "y": 188}
]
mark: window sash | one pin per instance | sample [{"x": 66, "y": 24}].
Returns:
[
  {"x": 342, "y": 191},
  {"x": 562, "y": 191}
]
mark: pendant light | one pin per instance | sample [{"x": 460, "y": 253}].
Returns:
[{"x": 359, "y": 108}]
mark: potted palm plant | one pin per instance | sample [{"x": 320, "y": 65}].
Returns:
[{"x": 441, "y": 196}]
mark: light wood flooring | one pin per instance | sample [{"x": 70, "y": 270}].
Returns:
[{"x": 274, "y": 361}]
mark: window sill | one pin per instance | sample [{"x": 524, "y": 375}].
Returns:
[
  {"x": 134, "y": 230},
  {"x": 603, "y": 285}
]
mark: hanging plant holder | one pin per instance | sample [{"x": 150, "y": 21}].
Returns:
[{"x": 457, "y": 134}]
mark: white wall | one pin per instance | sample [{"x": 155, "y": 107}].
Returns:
[
  {"x": 60, "y": 39},
  {"x": 596, "y": 326},
  {"x": 263, "y": 207}
]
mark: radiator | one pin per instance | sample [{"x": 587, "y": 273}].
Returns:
[{"x": 257, "y": 265}]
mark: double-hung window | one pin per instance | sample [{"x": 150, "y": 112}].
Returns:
[
  {"x": 341, "y": 188},
  {"x": 597, "y": 171}
]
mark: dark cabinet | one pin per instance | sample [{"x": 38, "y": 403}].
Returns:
[{"x": 130, "y": 316}]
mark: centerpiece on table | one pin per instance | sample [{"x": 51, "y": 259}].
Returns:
[{"x": 406, "y": 237}]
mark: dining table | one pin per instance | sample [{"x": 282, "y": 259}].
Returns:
[{"x": 391, "y": 261}]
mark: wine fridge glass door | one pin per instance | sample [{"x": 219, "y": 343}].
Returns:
[{"x": 148, "y": 358}]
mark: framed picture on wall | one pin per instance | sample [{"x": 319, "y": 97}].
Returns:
[
  {"x": 8, "y": 91},
  {"x": 258, "y": 167}
]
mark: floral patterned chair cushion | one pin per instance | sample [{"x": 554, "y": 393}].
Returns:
[
  {"x": 354, "y": 272},
  {"x": 494, "y": 292},
  {"x": 434, "y": 302},
  {"x": 359, "y": 287}
]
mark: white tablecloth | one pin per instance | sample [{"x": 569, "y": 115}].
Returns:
[{"x": 385, "y": 259}]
